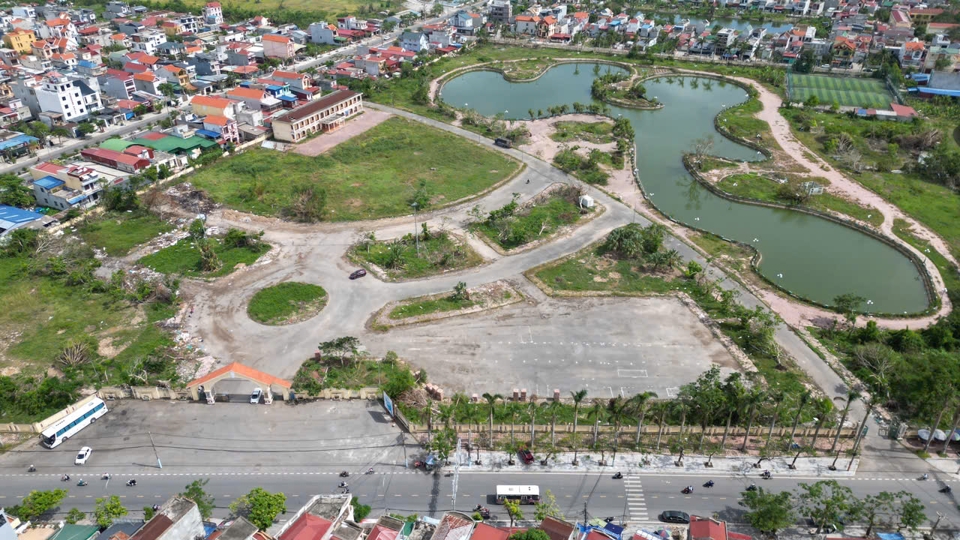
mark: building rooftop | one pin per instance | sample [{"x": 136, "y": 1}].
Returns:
[
  {"x": 240, "y": 529},
  {"x": 307, "y": 527},
  {"x": 74, "y": 532},
  {"x": 48, "y": 182},
  {"x": 314, "y": 106},
  {"x": 121, "y": 530}
]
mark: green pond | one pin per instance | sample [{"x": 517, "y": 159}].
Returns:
[{"x": 809, "y": 256}]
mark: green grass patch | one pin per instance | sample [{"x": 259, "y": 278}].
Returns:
[
  {"x": 373, "y": 175},
  {"x": 428, "y": 306},
  {"x": 758, "y": 187},
  {"x": 118, "y": 233},
  {"x": 286, "y": 302},
  {"x": 740, "y": 122},
  {"x": 513, "y": 225},
  {"x": 315, "y": 375},
  {"x": 438, "y": 252},
  {"x": 708, "y": 163},
  {"x": 525, "y": 69},
  {"x": 734, "y": 255},
  {"x": 593, "y": 132},
  {"x": 951, "y": 279},
  {"x": 588, "y": 271},
  {"x": 184, "y": 258},
  {"x": 846, "y": 91}
]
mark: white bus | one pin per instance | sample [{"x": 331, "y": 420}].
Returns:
[
  {"x": 521, "y": 494},
  {"x": 72, "y": 423}
]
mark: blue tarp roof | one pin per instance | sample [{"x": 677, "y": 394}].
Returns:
[
  {"x": 48, "y": 182},
  {"x": 207, "y": 133},
  {"x": 77, "y": 199},
  {"x": 87, "y": 64},
  {"x": 890, "y": 536},
  {"x": 19, "y": 140},
  {"x": 16, "y": 216},
  {"x": 920, "y": 77}
]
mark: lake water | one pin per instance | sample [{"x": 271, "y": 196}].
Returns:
[{"x": 807, "y": 255}]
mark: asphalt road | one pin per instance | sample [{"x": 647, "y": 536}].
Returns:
[{"x": 636, "y": 500}]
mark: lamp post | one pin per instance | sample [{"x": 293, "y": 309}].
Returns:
[{"x": 416, "y": 231}]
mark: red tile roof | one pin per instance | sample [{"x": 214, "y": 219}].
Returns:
[
  {"x": 481, "y": 532},
  {"x": 216, "y": 120},
  {"x": 211, "y": 101},
  {"x": 246, "y": 93},
  {"x": 380, "y": 532},
  {"x": 276, "y": 39},
  {"x": 903, "y": 110},
  {"x": 707, "y": 529},
  {"x": 307, "y": 527},
  {"x": 154, "y": 136},
  {"x": 240, "y": 369}
]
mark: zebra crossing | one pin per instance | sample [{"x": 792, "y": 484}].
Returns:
[{"x": 636, "y": 505}]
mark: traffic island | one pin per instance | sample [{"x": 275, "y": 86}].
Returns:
[{"x": 460, "y": 301}]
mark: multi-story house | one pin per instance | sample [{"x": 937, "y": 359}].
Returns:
[
  {"x": 64, "y": 61},
  {"x": 275, "y": 46},
  {"x": 526, "y": 24},
  {"x": 912, "y": 53},
  {"x": 213, "y": 14},
  {"x": 325, "y": 34},
  {"x": 205, "y": 63},
  {"x": 148, "y": 82},
  {"x": 215, "y": 106},
  {"x": 326, "y": 114},
  {"x": 75, "y": 99},
  {"x": 118, "y": 84},
  {"x": 42, "y": 49},
  {"x": 500, "y": 11},
  {"x": 241, "y": 54},
  {"x": 298, "y": 80},
  {"x": 58, "y": 28},
  {"x": 20, "y": 40},
  {"x": 174, "y": 74},
  {"x": 117, "y": 9},
  {"x": 24, "y": 12},
  {"x": 414, "y": 41},
  {"x": 147, "y": 41}
]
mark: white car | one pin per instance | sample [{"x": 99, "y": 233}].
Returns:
[
  {"x": 255, "y": 396},
  {"x": 83, "y": 456}
]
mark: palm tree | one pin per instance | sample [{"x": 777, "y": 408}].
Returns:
[
  {"x": 595, "y": 414},
  {"x": 733, "y": 391},
  {"x": 532, "y": 409},
  {"x": 553, "y": 409},
  {"x": 578, "y": 397},
  {"x": 446, "y": 414},
  {"x": 662, "y": 408},
  {"x": 639, "y": 407},
  {"x": 754, "y": 397},
  {"x": 803, "y": 400},
  {"x": 682, "y": 406},
  {"x": 822, "y": 408},
  {"x": 852, "y": 395},
  {"x": 616, "y": 412},
  {"x": 492, "y": 403},
  {"x": 776, "y": 396}
]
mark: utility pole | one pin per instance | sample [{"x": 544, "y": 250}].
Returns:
[
  {"x": 456, "y": 473},
  {"x": 160, "y": 465},
  {"x": 585, "y": 519},
  {"x": 416, "y": 231}
]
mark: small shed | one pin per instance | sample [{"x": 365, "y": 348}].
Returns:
[
  {"x": 586, "y": 201},
  {"x": 812, "y": 188}
]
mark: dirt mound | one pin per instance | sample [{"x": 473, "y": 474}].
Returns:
[{"x": 191, "y": 199}]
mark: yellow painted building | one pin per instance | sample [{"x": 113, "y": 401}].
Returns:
[{"x": 20, "y": 40}]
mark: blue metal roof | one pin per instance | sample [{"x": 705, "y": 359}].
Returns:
[
  {"x": 936, "y": 91},
  {"x": 286, "y": 98},
  {"x": 48, "y": 182},
  {"x": 86, "y": 64},
  {"x": 207, "y": 133},
  {"x": 16, "y": 216},
  {"x": 77, "y": 199},
  {"x": 274, "y": 87},
  {"x": 19, "y": 140}
]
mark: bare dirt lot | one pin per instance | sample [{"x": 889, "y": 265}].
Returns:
[{"x": 355, "y": 126}]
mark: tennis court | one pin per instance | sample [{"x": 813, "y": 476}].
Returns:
[{"x": 847, "y": 91}]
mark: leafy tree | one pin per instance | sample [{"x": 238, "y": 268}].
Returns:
[
  {"x": 39, "y": 130},
  {"x": 443, "y": 444},
  {"x": 360, "y": 511},
  {"x": 167, "y": 89},
  {"x": 108, "y": 510},
  {"x": 460, "y": 292},
  {"x": 343, "y": 348},
  {"x": 75, "y": 515},
  {"x": 38, "y": 503},
  {"x": 768, "y": 512},
  {"x": 848, "y": 305},
  {"x": 14, "y": 192},
  {"x": 827, "y": 502},
  {"x": 209, "y": 260},
  {"x": 513, "y": 510},
  {"x": 402, "y": 381},
  {"x": 812, "y": 101},
  {"x": 491, "y": 400},
  {"x": 530, "y": 534},
  {"x": 60, "y": 132},
  {"x": 197, "y": 230},
  {"x": 86, "y": 128},
  {"x": 260, "y": 507},
  {"x": 421, "y": 196},
  {"x": 195, "y": 492},
  {"x": 892, "y": 511},
  {"x": 148, "y": 513},
  {"x": 547, "y": 506}
]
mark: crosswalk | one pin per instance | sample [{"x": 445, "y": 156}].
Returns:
[{"x": 636, "y": 505}]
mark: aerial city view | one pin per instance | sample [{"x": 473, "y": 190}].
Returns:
[{"x": 479, "y": 270}]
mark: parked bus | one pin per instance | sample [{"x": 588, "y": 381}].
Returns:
[
  {"x": 521, "y": 494},
  {"x": 72, "y": 423}
]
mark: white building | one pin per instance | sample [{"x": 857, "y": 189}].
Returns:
[
  {"x": 213, "y": 13},
  {"x": 148, "y": 41},
  {"x": 73, "y": 98}
]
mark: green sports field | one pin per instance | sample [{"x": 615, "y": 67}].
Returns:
[{"x": 847, "y": 91}]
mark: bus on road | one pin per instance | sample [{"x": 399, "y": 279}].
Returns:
[
  {"x": 72, "y": 423},
  {"x": 521, "y": 494}
]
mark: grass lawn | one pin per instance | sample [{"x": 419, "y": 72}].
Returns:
[
  {"x": 426, "y": 307},
  {"x": 931, "y": 204},
  {"x": 184, "y": 258},
  {"x": 118, "y": 233},
  {"x": 439, "y": 252},
  {"x": 373, "y": 175},
  {"x": 951, "y": 279},
  {"x": 329, "y": 8},
  {"x": 740, "y": 122},
  {"x": 42, "y": 315},
  {"x": 758, "y": 187},
  {"x": 847, "y": 91},
  {"x": 520, "y": 225},
  {"x": 524, "y": 70},
  {"x": 285, "y": 303},
  {"x": 734, "y": 255},
  {"x": 588, "y": 271},
  {"x": 594, "y": 132},
  {"x": 314, "y": 376},
  {"x": 708, "y": 163}
]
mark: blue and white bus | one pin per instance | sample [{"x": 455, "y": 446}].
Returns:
[{"x": 72, "y": 423}]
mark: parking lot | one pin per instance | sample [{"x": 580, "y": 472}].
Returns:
[
  {"x": 199, "y": 438},
  {"x": 606, "y": 345}
]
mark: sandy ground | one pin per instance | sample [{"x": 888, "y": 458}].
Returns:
[{"x": 355, "y": 126}]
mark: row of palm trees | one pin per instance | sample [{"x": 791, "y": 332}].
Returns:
[{"x": 738, "y": 405}]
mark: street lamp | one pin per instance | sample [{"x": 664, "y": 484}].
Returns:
[{"x": 416, "y": 231}]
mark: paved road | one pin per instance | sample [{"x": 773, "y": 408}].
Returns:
[{"x": 637, "y": 499}]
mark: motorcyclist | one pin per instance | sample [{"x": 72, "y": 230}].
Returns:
[
  {"x": 343, "y": 484},
  {"x": 766, "y": 474},
  {"x": 32, "y": 468},
  {"x": 65, "y": 477},
  {"x": 131, "y": 482},
  {"x": 82, "y": 483},
  {"x": 688, "y": 489},
  {"x": 925, "y": 476},
  {"x": 709, "y": 483},
  {"x": 752, "y": 487},
  {"x": 344, "y": 474},
  {"x": 618, "y": 476}
]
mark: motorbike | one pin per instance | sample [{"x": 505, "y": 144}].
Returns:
[
  {"x": 945, "y": 489},
  {"x": 370, "y": 470},
  {"x": 752, "y": 487},
  {"x": 32, "y": 469},
  {"x": 709, "y": 484},
  {"x": 344, "y": 474},
  {"x": 617, "y": 476},
  {"x": 131, "y": 483},
  {"x": 766, "y": 475},
  {"x": 924, "y": 476},
  {"x": 82, "y": 483},
  {"x": 609, "y": 519},
  {"x": 687, "y": 490},
  {"x": 65, "y": 478},
  {"x": 343, "y": 485},
  {"x": 106, "y": 476}
]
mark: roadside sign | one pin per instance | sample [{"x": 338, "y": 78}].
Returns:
[{"x": 388, "y": 404}]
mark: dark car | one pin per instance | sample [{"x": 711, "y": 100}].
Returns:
[
  {"x": 358, "y": 274},
  {"x": 503, "y": 143},
  {"x": 526, "y": 456},
  {"x": 674, "y": 516}
]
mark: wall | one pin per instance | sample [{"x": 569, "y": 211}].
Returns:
[
  {"x": 37, "y": 427},
  {"x": 186, "y": 528}
]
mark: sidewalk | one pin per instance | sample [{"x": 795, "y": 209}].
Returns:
[{"x": 633, "y": 463}]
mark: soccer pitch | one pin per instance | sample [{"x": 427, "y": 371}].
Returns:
[{"x": 847, "y": 91}]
